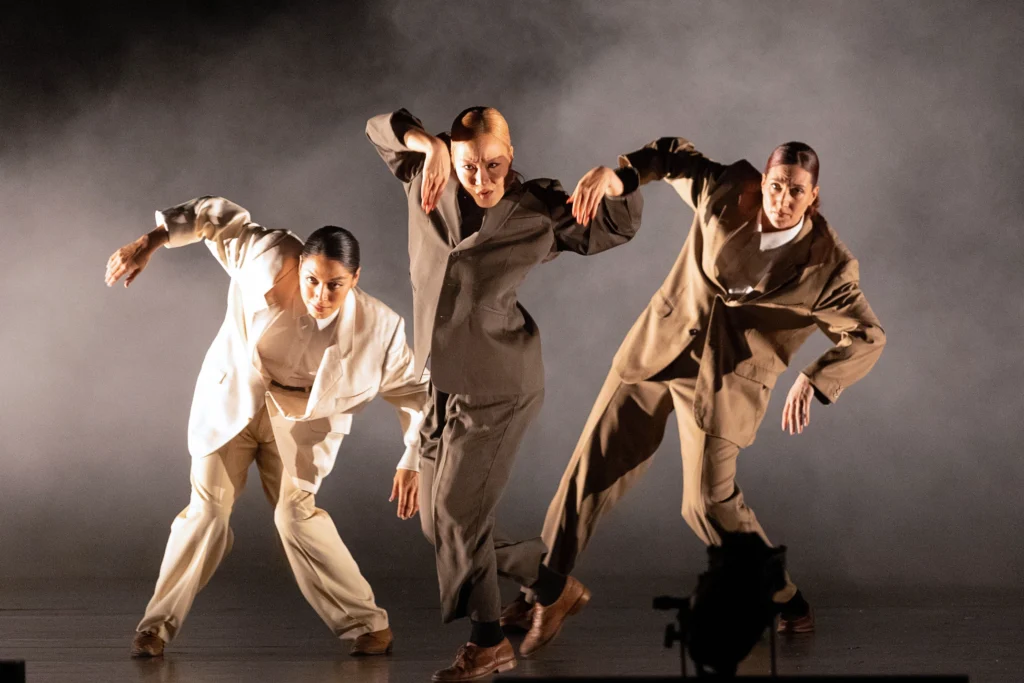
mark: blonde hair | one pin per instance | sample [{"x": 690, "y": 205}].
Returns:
[{"x": 477, "y": 121}]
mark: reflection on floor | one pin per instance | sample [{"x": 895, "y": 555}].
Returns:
[{"x": 243, "y": 631}]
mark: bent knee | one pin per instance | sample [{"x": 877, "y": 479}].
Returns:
[
  {"x": 207, "y": 512},
  {"x": 290, "y": 512}
]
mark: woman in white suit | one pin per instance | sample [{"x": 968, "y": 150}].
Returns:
[{"x": 301, "y": 349}]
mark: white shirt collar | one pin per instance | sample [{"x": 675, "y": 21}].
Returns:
[
  {"x": 322, "y": 323},
  {"x": 774, "y": 240}
]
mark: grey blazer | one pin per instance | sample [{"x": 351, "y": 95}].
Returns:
[{"x": 467, "y": 317}]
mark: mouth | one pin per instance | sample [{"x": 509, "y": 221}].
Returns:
[{"x": 484, "y": 194}]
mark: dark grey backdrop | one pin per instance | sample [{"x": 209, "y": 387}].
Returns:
[{"x": 915, "y": 108}]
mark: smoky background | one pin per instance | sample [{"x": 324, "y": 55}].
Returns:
[{"x": 913, "y": 478}]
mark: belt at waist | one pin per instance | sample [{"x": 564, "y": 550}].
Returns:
[{"x": 277, "y": 384}]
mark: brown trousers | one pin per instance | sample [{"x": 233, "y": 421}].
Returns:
[
  {"x": 625, "y": 428},
  {"x": 468, "y": 446}
]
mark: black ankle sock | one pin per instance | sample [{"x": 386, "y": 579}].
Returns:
[
  {"x": 796, "y": 607},
  {"x": 486, "y": 633},
  {"x": 548, "y": 586}
]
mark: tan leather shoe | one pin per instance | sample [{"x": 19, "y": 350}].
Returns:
[
  {"x": 473, "y": 662},
  {"x": 802, "y": 624},
  {"x": 373, "y": 643},
  {"x": 547, "y": 621},
  {"x": 517, "y": 615},
  {"x": 146, "y": 644}
]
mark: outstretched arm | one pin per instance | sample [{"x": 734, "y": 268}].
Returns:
[
  {"x": 408, "y": 393},
  {"x": 225, "y": 227},
  {"x": 409, "y": 150},
  {"x": 603, "y": 212},
  {"x": 676, "y": 161}
]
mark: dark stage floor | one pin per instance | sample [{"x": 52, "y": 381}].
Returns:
[{"x": 242, "y": 630}]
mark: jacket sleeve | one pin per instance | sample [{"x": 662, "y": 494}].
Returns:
[
  {"x": 616, "y": 221},
  {"x": 407, "y": 392},
  {"x": 675, "y": 160},
  {"x": 226, "y": 228},
  {"x": 387, "y": 133},
  {"x": 842, "y": 312}
]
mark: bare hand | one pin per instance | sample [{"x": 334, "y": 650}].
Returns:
[
  {"x": 437, "y": 169},
  {"x": 130, "y": 260},
  {"x": 796, "y": 414},
  {"x": 590, "y": 190},
  {"x": 406, "y": 488}
]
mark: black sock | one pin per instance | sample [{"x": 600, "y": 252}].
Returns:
[
  {"x": 548, "y": 586},
  {"x": 486, "y": 633},
  {"x": 796, "y": 607}
]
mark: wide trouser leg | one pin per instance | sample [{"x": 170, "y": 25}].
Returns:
[
  {"x": 324, "y": 569},
  {"x": 625, "y": 428},
  {"x": 479, "y": 441},
  {"x": 517, "y": 560},
  {"x": 200, "y": 535},
  {"x": 712, "y": 500}
]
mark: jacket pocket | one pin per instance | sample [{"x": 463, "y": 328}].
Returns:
[
  {"x": 338, "y": 423},
  {"x": 757, "y": 373}
]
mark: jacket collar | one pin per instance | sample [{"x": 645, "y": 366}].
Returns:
[{"x": 495, "y": 216}]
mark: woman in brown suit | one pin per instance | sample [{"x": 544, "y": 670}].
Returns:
[
  {"x": 760, "y": 270},
  {"x": 471, "y": 243}
]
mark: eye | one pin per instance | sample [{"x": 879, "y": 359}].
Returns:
[
  {"x": 310, "y": 279},
  {"x": 776, "y": 187},
  {"x": 798, "y": 190},
  {"x": 493, "y": 164},
  {"x": 469, "y": 167},
  {"x": 333, "y": 286}
]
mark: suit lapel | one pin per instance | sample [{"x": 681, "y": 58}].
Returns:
[
  {"x": 448, "y": 209},
  {"x": 335, "y": 363},
  {"x": 791, "y": 264},
  {"x": 494, "y": 217}
]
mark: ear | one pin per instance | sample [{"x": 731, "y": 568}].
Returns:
[
  {"x": 814, "y": 194},
  {"x": 511, "y": 154},
  {"x": 764, "y": 179},
  {"x": 355, "y": 276}
]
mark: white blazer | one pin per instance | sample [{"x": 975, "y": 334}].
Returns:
[{"x": 369, "y": 357}]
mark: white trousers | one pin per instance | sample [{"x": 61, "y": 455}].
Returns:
[{"x": 201, "y": 537}]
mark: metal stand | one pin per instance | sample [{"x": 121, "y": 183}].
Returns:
[{"x": 676, "y": 632}]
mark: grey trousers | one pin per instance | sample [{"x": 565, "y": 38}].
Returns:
[{"x": 468, "y": 446}]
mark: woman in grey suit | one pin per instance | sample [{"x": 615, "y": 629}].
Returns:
[{"x": 471, "y": 243}]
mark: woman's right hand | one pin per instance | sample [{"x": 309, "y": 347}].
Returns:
[
  {"x": 437, "y": 166},
  {"x": 133, "y": 257}
]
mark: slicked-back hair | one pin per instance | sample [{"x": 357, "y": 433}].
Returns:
[{"x": 335, "y": 243}]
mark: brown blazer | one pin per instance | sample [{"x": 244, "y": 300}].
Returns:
[
  {"x": 466, "y": 314},
  {"x": 749, "y": 342}
]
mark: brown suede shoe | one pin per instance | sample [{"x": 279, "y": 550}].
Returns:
[
  {"x": 473, "y": 662},
  {"x": 517, "y": 615},
  {"x": 547, "y": 621},
  {"x": 146, "y": 644},
  {"x": 373, "y": 643},
  {"x": 804, "y": 624}
]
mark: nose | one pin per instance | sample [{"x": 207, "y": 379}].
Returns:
[
  {"x": 478, "y": 177},
  {"x": 321, "y": 293}
]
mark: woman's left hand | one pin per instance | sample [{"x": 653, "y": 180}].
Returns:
[
  {"x": 406, "y": 488},
  {"x": 590, "y": 190},
  {"x": 796, "y": 414}
]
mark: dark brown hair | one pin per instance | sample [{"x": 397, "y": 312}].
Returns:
[
  {"x": 335, "y": 243},
  {"x": 798, "y": 154}
]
